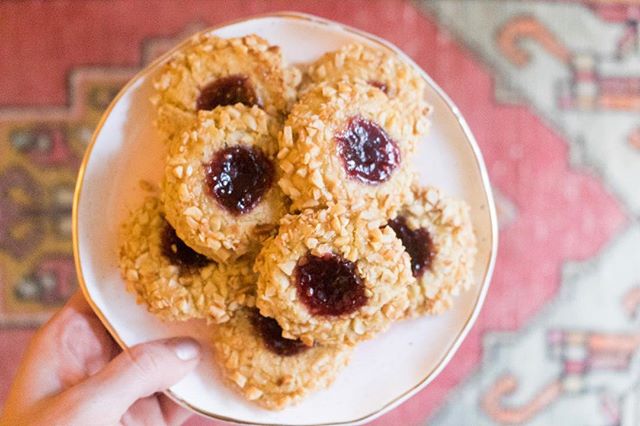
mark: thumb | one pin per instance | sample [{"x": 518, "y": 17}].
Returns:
[{"x": 138, "y": 372}]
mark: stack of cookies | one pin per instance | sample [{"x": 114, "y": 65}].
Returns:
[{"x": 290, "y": 216}]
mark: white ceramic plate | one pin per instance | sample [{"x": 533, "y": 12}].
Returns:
[{"x": 385, "y": 371}]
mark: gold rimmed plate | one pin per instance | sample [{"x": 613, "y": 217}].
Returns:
[{"x": 126, "y": 149}]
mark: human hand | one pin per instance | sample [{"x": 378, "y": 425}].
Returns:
[{"x": 72, "y": 375}]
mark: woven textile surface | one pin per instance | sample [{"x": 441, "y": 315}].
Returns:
[{"x": 551, "y": 90}]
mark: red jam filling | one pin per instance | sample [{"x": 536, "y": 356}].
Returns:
[
  {"x": 329, "y": 285},
  {"x": 238, "y": 177},
  {"x": 178, "y": 253},
  {"x": 368, "y": 153},
  {"x": 271, "y": 333},
  {"x": 229, "y": 90},
  {"x": 418, "y": 244},
  {"x": 380, "y": 85}
]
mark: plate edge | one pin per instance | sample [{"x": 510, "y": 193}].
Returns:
[{"x": 479, "y": 159}]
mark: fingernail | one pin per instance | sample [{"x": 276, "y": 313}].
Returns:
[{"x": 186, "y": 349}]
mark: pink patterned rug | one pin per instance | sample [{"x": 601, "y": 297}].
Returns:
[{"x": 550, "y": 88}]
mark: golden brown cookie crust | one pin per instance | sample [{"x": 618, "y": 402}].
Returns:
[
  {"x": 197, "y": 217},
  {"x": 449, "y": 225},
  {"x": 271, "y": 380},
  {"x": 206, "y": 58},
  {"x": 378, "y": 66},
  {"x": 213, "y": 291},
  {"x": 313, "y": 172},
  {"x": 358, "y": 236}
]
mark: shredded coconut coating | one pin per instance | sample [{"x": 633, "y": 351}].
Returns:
[
  {"x": 378, "y": 66},
  {"x": 358, "y": 236},
  {"x": 448, "y": 222},
  {"x": 266, "y": 378},
  {"x": 213, "y": 291},
  {"x": 206, "y": 58},
  {"x": 197, "y": 217},
  {"x": 314, "y": 174}
]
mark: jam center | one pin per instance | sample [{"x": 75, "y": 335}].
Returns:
[
  {"x": 228, "y": 90},
  {"x": 380, "y": 85},
  {"x": 238, "y": 177},
  {"x": 178, "y": 253},
  {"x": 329, "y": 285},
  {"x": 271, "y": 333},
  {"x": 418, "y": 244},
  {"x": 367, "y": 152}
]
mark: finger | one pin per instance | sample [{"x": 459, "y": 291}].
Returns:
[
  {"x": 75, "y": 343},
  {"x": 137, "y": 373},
  {"x": 145, "y": 411},
  {"x": 174, "y": 414},
  {"x": 84, "y": 345},
  {"x": 70, "y": 346},
  {"x": 79, "y": 303},
  {"x": 157, "y": 410}
]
